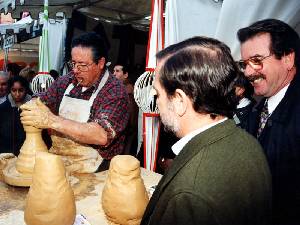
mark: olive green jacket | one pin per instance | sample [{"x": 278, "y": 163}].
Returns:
[{"x": 220, "y": 177}]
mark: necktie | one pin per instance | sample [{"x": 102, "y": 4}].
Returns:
[{"x": 264, "y": 115}]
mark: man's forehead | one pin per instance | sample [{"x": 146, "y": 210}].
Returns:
[
  {"x": 81, "y": 52},
  {"x": 156, "y": 82},
  {"x": 3, "y": 79},
  {"x": 118, "y": 67},
  {"x": 258, "y": 45}
]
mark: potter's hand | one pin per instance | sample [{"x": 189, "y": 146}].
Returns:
[{"x": 35, "y": 113}]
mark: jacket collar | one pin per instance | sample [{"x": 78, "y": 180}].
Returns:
[
  {"x": 281, "y": 112},
  {"x": 13, "y": 103},
  {"x": 192, "y": 148}
]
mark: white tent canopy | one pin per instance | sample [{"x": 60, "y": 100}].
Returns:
[
  {"x": 133, "y": 12},
  {"x": 222, "y": 19}
]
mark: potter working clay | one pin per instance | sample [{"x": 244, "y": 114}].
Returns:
[
  {"x": 50, "y": 199},
  {"x": 86, "y": 110},
  {"x": 124, "y": 197},
  {"x": 18, "y": 172}
]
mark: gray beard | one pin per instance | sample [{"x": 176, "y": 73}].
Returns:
[{"x": 169, "y": 121}]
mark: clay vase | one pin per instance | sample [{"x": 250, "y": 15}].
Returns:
[
  {"x": 32, "y": 144},
  {"x": 50, "y": 199},
  {"x": 124, "y": 196}
]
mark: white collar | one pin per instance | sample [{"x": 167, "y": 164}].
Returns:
[
  {"x": 243, "y": 103},
  {"x": 13, "y": 103},
  {"x": 2, "y": 99},
  {"x": 178, "y": 146},
  {"x": 274, "y": 100}
]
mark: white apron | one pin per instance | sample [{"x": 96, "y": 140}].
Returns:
[{"x": 77, "y": 157}]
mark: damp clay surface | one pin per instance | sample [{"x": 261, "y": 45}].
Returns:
[
  {"x": 50, "y": 200},
  {"x": 4, "y": 159},
  {"x": 124, "y": 197},
  {"x": 18, "y": 172}
]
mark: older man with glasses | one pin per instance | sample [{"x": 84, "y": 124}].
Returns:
[
  {"x": 3, "y": 86},
  {"x": 270, "y": 51},
  {"x": 86, "y": 110}
]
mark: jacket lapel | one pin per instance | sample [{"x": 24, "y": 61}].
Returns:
[
  {"x": 188, "y": 152},
  {"x": 281, "y": 112}
]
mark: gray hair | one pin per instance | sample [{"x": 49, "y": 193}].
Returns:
[{"x": 4, "y": 74}]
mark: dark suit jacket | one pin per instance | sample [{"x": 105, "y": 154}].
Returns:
[
  {"x": 243, "y": 114},
  {"x": 280, "y": 140},
  {"x": 12, "y": 134},
  {"x": 220, "y": 177}
]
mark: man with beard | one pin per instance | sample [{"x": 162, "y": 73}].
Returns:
[
  {"x": 270, "y": 50},
  {"x": 220, "y": 174}
]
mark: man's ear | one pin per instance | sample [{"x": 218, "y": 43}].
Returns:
[
  {"x": 126, "y": 75},
  {"x": 289, "y": 60},
  {"x": 180, "y": 101},
  {"x": 101, "y": 63}
]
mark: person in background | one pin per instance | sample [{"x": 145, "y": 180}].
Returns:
[
  {"x": 3, "y": 86},
  {"x": 12, "y": 134},
  {"x": 54, "y": 74},
  {"x": 28, "y": 73},
  {"x": 121, "y": 72},
  {"x": 13, "y": 69},
  {"x": 220, "y": 174},
  {"x": 270, "y": 51},
  {"x": 244, "y": 92},
  {"x": 86, "y": 110}
]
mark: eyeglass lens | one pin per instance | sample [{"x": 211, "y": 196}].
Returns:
[
  {"x": 255, "y": 62},
  {"x": 80, "y": 67}
]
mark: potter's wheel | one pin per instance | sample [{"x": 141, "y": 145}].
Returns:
[{"x": 15, "y": 178}]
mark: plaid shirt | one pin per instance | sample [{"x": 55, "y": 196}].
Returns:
[{"x": 109, "y": 110}]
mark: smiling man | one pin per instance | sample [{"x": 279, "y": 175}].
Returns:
[
  {"x": 220, "y": 174},
  {"x": 87, "y": 109},
  {"x": 270, "y": 51}
]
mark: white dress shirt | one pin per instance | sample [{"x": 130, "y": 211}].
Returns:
[
  {"x": 274, "y": 100},
  {"x": 178, "y": 146}
]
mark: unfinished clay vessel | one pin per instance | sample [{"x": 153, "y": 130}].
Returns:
[
  {"x": 32, "y": 144},
  {"x": 124, "y": 196},
  {"x": 18, "y": 172},
  {"x": 50, "y": 199}
]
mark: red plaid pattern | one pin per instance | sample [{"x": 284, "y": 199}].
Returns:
[{"x": 109, "y": 110}]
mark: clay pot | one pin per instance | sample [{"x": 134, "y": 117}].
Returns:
[
  {"x": 32, "y": 144},
  {"x": 50, "y": 199},
  {"x": 124, "y": 197}
]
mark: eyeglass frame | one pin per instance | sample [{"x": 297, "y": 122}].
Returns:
[
  {"x": 72, "y": 65},
  {"x": 254, "y": 65}
]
